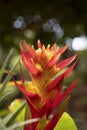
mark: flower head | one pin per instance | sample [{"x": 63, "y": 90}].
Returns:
[{"x": 43, "y": 93}]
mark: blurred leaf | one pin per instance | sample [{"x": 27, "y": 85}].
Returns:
[
  {"x": 5, "y": 96},
  {"x": 42, "y": 123},
  {"x": 14, "y": 106},
  {"x": 10, "y": 92},
  {"x": 3, "y": 112},
  {"x": 66, "y": 123},
  {"x": 8, "y": 77},
  {"x": 16, "y": 126},
  {"x": 27, "y": 112},
  {"x": 6, "y": 118},
  {"x": 4, "y": 65},
  {"x": 13, "y": 60},
  {"x": 2, "y": 126},
  {"x": 15, "y": 114}
]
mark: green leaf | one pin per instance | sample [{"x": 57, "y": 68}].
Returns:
[
  {"x": 27, "y": 112},
  {"x": 9, "y": 94},
  {"x": 3, "y": 112},
  {"x": 5, "y": 96},
  {"x": 18, "y": 125},
  {"x": 14, "y": 106},
  {"x": 42, "y": 123},
  {"x": 7, "y": 118},
  {"x": 2, "y": 127},
  {"x": 66, "y": 123},
  {"x": 4, "y": 65},
  {"x": 8, "y": 78},
  {"x": 15, "y": 114}
]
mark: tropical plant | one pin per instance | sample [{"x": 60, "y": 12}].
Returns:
[{"x": 46, "y": 100}]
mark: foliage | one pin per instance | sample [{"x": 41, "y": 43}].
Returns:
[
  {"x": 7, "y": 91},
  {"x": 66, "y": 123}
]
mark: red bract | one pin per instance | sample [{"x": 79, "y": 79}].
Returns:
[{"x": 44, "y": 95}]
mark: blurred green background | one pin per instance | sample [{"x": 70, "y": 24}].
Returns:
[{"x": 60, "y": 21}]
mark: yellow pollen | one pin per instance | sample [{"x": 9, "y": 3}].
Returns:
[
  {"x": 32, "y": 46},
  {"x": 38, "y": 66},
  {"x": 48, "y": 47},
  {"x": 32, "y": 88},
  {"x": 38, "y": 51},
  {"x": 49, "y": 54}
]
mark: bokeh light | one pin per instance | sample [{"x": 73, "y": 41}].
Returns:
[
  {"x": 79, "y": 43},
  {"x": 19, "y": 23}
]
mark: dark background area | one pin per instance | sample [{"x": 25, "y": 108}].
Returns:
[{"x": 60, "y": 21}]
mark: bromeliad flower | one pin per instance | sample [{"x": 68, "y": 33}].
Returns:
[{"x": 45, "y": 97}]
